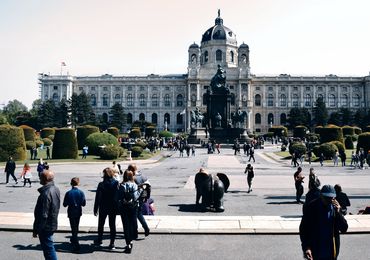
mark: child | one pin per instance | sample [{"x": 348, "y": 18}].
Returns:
[
  {"x": 26, "y": 174},
  {"x": 75, "y": 200}
]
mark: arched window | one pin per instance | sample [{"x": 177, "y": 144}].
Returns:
[
  {"x": 307, "y": 100},
  {"x": 154, "y": 100},
  {"x": 193, "y": 100},
  {"x": 206, "y": 56},
  {"x": 130, "y": 101},
  {"x": 142, "y": 100},
  {"x": 270, "y": 100},
  {"x": 179, "y": 100},
  {"x": 282, "y": 100},
  {"x": 55, "y": 97},
  {"x": 179, "y": 118},
  {"x": 167, "y": 101},
  {"x": 270, "y": 119},
  {"x": 356, "y": 100},
  {"x": 244, "y": 100},
  {"x": 142, "y": 117},
  {"x": 232, "y": 99},
  {"x": 167, "y": 118},
  {"x": 117, "y": 98},
  {"x": 93, "y": 100},
  {"x": 204, "y": 99},
  {"x": 244, "y": 58},
  {"x": 283, "y": 119},
  {"x": 105, "y": 117},
  {"x": 154, "y": 118},
  {"x": 257, "y": 100},
  {"x": 295, "y": 100},
  {"x": 344, "y": 100},
  {"x": 105, "y": 100},
  {"x": 218, "y": 55},
  {"x": 331, "y": 100},
  {"x": 193, "y": 58},
  {"x": 232, "y": 56},
  {"x": 257, "y": 119},
  {"x": 321, "y": 97},
  {"x": 129, "y": 118}
]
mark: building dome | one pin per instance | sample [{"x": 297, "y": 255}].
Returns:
[
  {"x": 243, "y": 46},
  {"x": 219, "y": 32},
  {"x": 194, "y": 46}
]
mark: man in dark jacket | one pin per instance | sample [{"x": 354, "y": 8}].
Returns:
[
  {"x": 9, "y": 169},
  {"x": 320, "y": 226},
  {"x": 46, "y": 214}
]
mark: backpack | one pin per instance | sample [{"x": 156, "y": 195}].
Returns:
[
  {"x": 145, "y": 195},
  {"x": 128, "y": 196}
]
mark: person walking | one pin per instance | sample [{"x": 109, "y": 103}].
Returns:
[
  {"x": 140, "y": 180},
  {"x": 251, "y": 154},
  {"x": 85, "y": 151},
  {"x": 313, "y": 188},
  {"x": 74, "y": 199},
  {"x": 335, "y": 158},
  {"x": 40, "y": 167},
  {"x": 342, "y": 199},
  {"x": 105, "y": 205},
  {"x": 46, "y": 214},
  {"x": 321, "y": 224},
  {"x": 343, "y": 158},
  {"x": 321, "y": 159},
  {"x": 127, "y": 200},
  {"x": 26, "y": 174},
  {"x": 250, "y": 175},
  {"x": 10, "y": 169},
  {"x": 298, "y": 180},
  {"x": 47, "y": 152}
]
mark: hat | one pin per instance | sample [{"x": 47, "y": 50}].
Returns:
[{"x": 328, "y": 191}]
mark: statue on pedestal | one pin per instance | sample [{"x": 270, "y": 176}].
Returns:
[
  {"x": 196, "y": 117},
  {"x": 238, "y": 117},
  {"x": 218, "y": 82},
  {"x": 218, "y": 118}
]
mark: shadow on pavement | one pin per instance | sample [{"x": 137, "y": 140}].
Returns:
[{"x": 186, "y": 207}]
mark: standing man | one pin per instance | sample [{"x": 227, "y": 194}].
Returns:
[
  {"x": 47, "y": 152},
  {"x": 250, "y": 175},
  {"x": 9, "y": 170},
  {"x": 298, "y": 180},
  {"x": 320, "y": 226},
  {"x": 46, "y": 214},
  {"x": 251, "y": 154}
]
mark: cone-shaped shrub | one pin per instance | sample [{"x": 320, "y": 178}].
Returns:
[
  {"x": 12, "y": 143},
  {"x": 65, "y": 144},
  {"x": 83, "y": 132},
  {"x": 364, "y": 142}
]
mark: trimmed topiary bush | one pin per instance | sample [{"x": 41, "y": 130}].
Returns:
[
  {"x": 331, "y": 133},
  {"x": 135, "y": 133},
  {"x": 279, "y": 130},
  {"x": 136, "y": 151},
  {"x": 12, "y": 143},
  {"x": 111, "y": 152},
  {"x": 47, "y": 141},
  {"x": 327, "y": 149},
  {"x": 348, "y": 143},
  {"x": 348, "y": 130},
  {"x": 113, "y": 131},
  {"x": 150, "y": 131},
  {"x": 339, "y": 145},
  {"x": 367, "y": 128},
  {"x": 164, "y": 133},
  {"x": 39, "y": 143},
  {"x": 298, "y": 147},
  {"x": 318, "y": 129},
  {"x": 93, "y": 141},
  {"x": 29, "y": 133},
  {"x": 83, "y": 132},
  {"x": 30, "y": 145},
  {"x": 354, "y": 138},
  {"x": 358, "y": 130},
  {"x": 364, "y": 142},
  {"x": 300, "y": 131},
  {"x": 141, "y": 143},
  {"x": 65, "y": 144},
  {"x": 46, "y": 132}
]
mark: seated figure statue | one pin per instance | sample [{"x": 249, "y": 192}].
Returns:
[{"x": 218, "y": 82}]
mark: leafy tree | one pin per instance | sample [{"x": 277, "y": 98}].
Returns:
[
  {"x": 361, "y": 117},
  {"x": 118, "y": 118},
  {"x": 62, "y": 117},
  {"x": 46, "y": 114},
  {"x": 80, "y": 109},
  {"x": 3, "y": 119},
  {"x": 36, "y": 105},
  {"x": 13, "y": 109},
  {"x": 320, "y": 112},
  {"x": 346, "y": 116},
  {"x": 299, "y": 116}
]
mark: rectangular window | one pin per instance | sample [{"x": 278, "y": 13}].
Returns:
[
  {"x": 295, "y": 88},
  {"x": 105, "y": 88},
  {"x": 117, "y": 88},
  {"x": 92, "y": 88},
  {"x": 244, "y": 87},
  {"x": 154, "y": 88},
  {"x": 308, "y": 88},
  {"x": 81, "y": 88},
  {"x": 55, "y": 87},
  {"x": 167, "y": 88},
  {"x": 270, "y": 89},
  {"x": 129, "y": 88},
  {"x": 282, "y": 88},
  {"x": 231, "y": 87},
  {"x": 141, "y": 88},
  {"x": 258, "y": 88}
]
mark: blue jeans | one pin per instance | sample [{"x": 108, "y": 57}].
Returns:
[{"x": 47, "y": 245}]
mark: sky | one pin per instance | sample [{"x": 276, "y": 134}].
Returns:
[{"x": 121, "y": 37}]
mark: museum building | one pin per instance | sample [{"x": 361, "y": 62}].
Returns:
[{"x": 167, "y": 100}]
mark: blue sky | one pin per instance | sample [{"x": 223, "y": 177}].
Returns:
[{"x": 298, "y": 37}]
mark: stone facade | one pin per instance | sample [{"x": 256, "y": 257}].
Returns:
[{"x": 168, "y": 99}]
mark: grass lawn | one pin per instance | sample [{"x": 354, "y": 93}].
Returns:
[{"x": 286, "y": 156}]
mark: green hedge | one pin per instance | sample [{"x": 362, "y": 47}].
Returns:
[
  {"x": 83, "y": 132},
  {"x": 95, "y": 140},
  {"x": 135, "y": 133},
  {"x": 339, "y": 145},
  {"x": 46, "y": 132},
  {"x": 279, "y": 130},
  {"x": 364, "y": 142},
  {"x": 141, "y": 144},
  {"x": 348, "y": 142},
  {"x": 113, "y": 131},
  {"x": 331, "y": 133},
  {"x": 12, "y": 143},
  {"x": 136, "y": 151},
  {"x": 30, "y": 145},
  {"x": 65, "y": 144},
  {"x": 358, "y": 130},
  {"x": 300, "y": 131},
  {"x": 29, "y": 133},
  {"x": 111, "y": 152},
  {"x": 150, "y": 131},
  {"x": 348, "y": 130},
  {"x": 327, "y": 149},
  {"x": 47, "y": 141},
  {"x": 165, "y": 134},
  {"x": 297, "y": 147}
]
